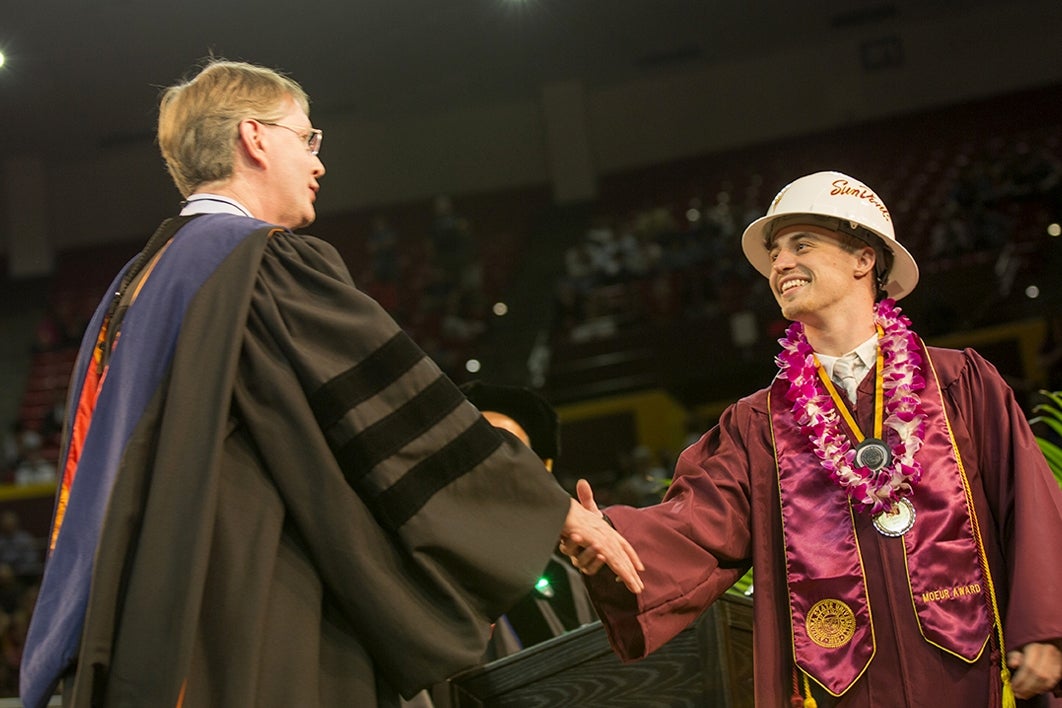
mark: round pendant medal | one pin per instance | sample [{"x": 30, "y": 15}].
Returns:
[
  {"x": 897, "y": 521},
  {"x": 872, "y": 454}
]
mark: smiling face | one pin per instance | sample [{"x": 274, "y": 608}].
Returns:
[
  {"x": 293, "y": 172},
  {"x": 816, "y": 277}
]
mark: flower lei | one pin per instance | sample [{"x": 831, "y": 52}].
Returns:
[{"x": 904, "y": 418}]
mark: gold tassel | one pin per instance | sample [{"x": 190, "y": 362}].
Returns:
[
  {"x": 1008, "y": 692},
  {"x": 809, "y": 701}
]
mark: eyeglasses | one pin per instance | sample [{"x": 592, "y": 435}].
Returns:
[{"x": 311, "y": 136}]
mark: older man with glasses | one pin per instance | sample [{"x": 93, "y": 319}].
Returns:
[{"x": 269, "y": 495}]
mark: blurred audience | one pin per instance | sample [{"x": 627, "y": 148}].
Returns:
[
  {"x": 19, "y": 551},
  {"x": 32, "y": 467},
  {"x": 20, "y": 569}
]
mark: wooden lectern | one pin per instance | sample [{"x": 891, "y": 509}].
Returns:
[{"x": 707, "y": 665}]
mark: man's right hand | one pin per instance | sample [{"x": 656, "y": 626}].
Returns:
[{"x": 591, "y": 542}]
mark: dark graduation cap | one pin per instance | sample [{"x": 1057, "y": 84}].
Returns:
[{"x": 523, "y": 405}]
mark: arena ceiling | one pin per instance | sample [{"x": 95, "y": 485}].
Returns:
[{"x": 83, "y": 75}]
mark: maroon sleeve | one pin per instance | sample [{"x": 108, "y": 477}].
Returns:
[{"x": 695, "y": 544}]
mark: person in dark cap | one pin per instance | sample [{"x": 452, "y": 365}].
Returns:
[
  {"x": 522, "y": 412},
  {"x": 558, "y": 602}
]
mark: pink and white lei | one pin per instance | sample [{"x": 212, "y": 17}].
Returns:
[{"x": 904, "y": 419}]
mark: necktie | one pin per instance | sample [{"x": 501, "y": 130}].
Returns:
[{"x": 844, "y": 375}]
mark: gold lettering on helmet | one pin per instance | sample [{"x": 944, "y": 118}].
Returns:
[{"x": 841, "y": 187}]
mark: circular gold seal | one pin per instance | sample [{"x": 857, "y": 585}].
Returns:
[{"x": 830, "y": 623}]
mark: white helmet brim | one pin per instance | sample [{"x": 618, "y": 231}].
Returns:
[{"x": 837, "y": 196}]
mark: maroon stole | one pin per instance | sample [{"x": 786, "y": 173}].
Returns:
[{"x": 830, "y": 614}]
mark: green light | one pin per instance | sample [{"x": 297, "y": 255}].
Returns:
[{"x": 543, "y": 587}]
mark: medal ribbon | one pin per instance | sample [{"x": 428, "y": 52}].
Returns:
[{"x": 879, "y": 398}]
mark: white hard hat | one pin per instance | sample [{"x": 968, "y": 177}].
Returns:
[{"x": 833, "y": 196}]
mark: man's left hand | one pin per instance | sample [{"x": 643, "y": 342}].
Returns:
[{"x": 1037, "y": 668}]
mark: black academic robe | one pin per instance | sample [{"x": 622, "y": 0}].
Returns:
[{"x": 307, "y": 512}]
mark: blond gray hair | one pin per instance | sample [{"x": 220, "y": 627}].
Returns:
[{"x": 199, "y": 118}]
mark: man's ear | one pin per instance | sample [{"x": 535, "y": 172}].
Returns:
[
  {"x": 250, "y": 144},
  {"x": 865, "y": 260}
]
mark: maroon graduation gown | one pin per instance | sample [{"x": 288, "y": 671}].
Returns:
[{"x": 722, "y": 514}]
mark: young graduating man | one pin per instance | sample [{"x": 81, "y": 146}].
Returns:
[
  {"x": 900, "y": 520},
  {"x": 270, "y": 496}
]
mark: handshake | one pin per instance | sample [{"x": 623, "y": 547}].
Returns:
[{"x": 591, "y": 542}]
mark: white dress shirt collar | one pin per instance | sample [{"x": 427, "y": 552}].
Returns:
[
  {"x": 867, "y": 353},
  {"x": 206, "y": 203}
]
